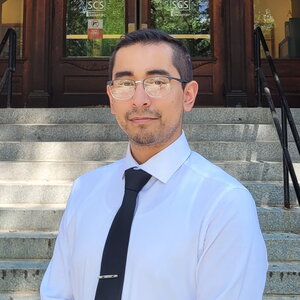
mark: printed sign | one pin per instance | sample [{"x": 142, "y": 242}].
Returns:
[
  {"x": 95, "y": 29},
  {"x": 95, "y": 8},
  {"x": 180, "y": 7}
]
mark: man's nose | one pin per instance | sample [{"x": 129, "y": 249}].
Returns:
[{"x": 140, "y": 97}]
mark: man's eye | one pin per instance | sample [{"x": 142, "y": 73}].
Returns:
[
  {"x": 128, "y": 83},
  {"x": 159, "y": 82},
  {"x": 124, "y": 83},
  {"x": 156, "y": 81}
]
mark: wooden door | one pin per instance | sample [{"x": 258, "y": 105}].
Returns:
[
  {"x": 199, "y": 25},
  {"x": 79, "y": 61}
]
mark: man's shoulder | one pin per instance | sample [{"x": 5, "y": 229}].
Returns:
[
  {"x": 90, "y": 182},
  {"x": 204, "y": 169},
  {"x": 101, "y": 172},
  {"x": 220, "y": 190}
]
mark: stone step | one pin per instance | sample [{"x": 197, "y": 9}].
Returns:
[
  {"x": 57, "y": 192},
  {"x": 35, "y": 296},
  {"x": 25, "y": 276},
  {"x": 280, "y": 297},
  {"x": 283, "y": 278},
  {"x": 103, "y": 115},
  {"x": 276, "y": 219},
  {"x": 21, "y": 275},
  {"x": 26, "y": 245},
  {"x": 62, "y": 170},
  {"x": 20, "y": 296},
  {"x": 283, "y": 246},
  {"x": 112, "y": 132},
  {"x": 270, "y": 193},
  {"x": 40, "y": 245},
  {"x": 30, "y": 217},
  {"x": 222, "y": 115},
  {"x": 97, "y": 151}
]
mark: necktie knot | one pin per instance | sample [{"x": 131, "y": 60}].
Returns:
[{"x": 135, "y": 179}]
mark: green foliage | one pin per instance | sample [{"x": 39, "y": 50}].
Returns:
[
  {"x": 194, "y": 21},
  {"x": 77, "y": 23}
]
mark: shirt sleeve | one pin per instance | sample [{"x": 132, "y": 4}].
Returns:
[
  {"x": 56, "y": 283},
  {"x": 232, "y": 263}
]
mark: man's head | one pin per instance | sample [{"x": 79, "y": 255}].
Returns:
[
  {"x": 146, "y": 93},
  {"x": 181, "y": 58}
]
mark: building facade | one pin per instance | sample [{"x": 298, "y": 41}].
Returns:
[{"x": 64, "y": 46}]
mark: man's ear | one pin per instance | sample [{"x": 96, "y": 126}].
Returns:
[
  {"x": 189, "y": 95},
  {"x": 111, "y": 100}
]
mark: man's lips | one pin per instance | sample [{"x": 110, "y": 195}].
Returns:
[{"x": 142, "y": 119}]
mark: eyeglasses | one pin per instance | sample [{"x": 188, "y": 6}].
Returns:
[{"x": 155, "y": 87}]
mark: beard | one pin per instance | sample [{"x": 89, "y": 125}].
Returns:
[{"x": 145, "y": 136}]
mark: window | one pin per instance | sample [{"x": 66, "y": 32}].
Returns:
[
  {"x": 94, "y": 27},
  {"x": 188, "y": 21},
  {"x": 280, "y": 23},
  {"x": 11, "y": 15}
]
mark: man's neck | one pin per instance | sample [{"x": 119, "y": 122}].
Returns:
[{"x": 142, "y": 153}]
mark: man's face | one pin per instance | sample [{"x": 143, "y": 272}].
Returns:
[{"x": 146, "y": 120}]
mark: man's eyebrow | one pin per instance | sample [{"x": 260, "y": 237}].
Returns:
[
  {"x": 158, "y": 72},
  {"x": 123, "y": 73}
]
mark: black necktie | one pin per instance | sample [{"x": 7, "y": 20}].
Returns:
[{"x": 114, "y": 256}]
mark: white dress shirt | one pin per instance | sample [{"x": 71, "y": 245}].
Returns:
[{"x": 195, "y": 233}]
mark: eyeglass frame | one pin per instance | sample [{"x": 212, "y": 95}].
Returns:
[{"x": 110, "y": 82}]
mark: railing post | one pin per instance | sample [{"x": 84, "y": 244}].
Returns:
[
  {"x": 286, "y": 187},
  {"x": 11, "y": 65},
  {"x": 9, "y": 90},
  {"x": 257, "y": 62}
]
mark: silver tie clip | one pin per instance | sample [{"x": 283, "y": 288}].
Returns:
[{"x": 107, "y": 276}]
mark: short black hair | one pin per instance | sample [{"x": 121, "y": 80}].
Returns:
[{"x": 181, "y": 58}]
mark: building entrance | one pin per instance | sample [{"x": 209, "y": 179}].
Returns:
[
  {"x": 85, "y": 32},
  {"x": 64, "y": 47}
]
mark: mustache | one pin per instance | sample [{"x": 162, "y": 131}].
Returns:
[{"x": 142, "y": 112}]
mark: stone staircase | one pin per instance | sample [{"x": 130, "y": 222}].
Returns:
[{"x": 43, "y": 150}]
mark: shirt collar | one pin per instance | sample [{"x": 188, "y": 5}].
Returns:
[{"x": 165, "y": 163}]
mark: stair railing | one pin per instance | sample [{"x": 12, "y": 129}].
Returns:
[
  {"x": 11, "y": 37},
  {"x": 286, "y": 114}
]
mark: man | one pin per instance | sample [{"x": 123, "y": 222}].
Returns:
[{"x": 195, "y": 233}]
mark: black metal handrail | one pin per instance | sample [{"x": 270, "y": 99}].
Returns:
[
  {"x": 286, "y": 114},
  {"x": 10, "y": 36}
]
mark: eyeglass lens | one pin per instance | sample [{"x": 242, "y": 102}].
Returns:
[{"x": 123, "y": 89}]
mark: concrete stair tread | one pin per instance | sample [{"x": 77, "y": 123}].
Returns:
[
  {"x": 40, "y": 244},
  {"x": 45, "y": 234},
  {"x": 279, "y": 297},
  {"x": 20, "y": 296},
  {"x": 58, "y": 206},
  {"x": 284, "y": 266},
  {"x": 36, "y": 182},
  {"x": 42, "y": 263},
  {"x": 33, "y": 182},
  {"x": 112, "y": 132},
  {"x": 23, "y": 264},
  {"x": 31, "y": 206},
  {"x": 103, "y": 114},
  {"x": 95, "y": 151},
  {"x": 279, "y": 274},
  {"x": 47, "y": 217},
  {"x": 27, "y": 234},
  {"x": 281, "y": 236}
]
